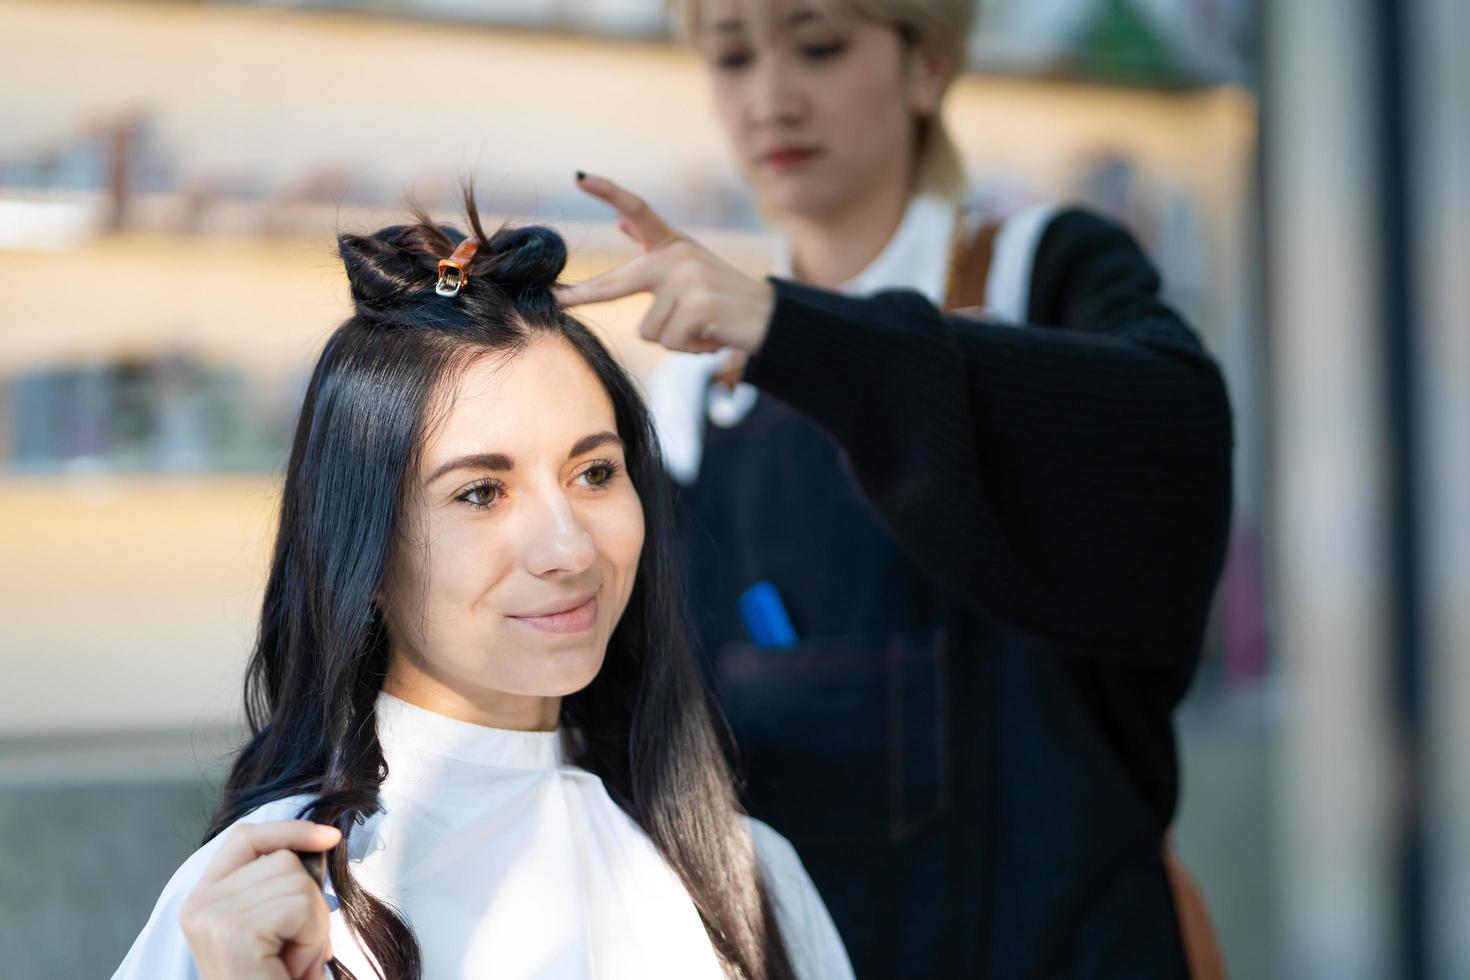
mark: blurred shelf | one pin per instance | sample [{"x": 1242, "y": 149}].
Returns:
[
  {"x": 253, "y": 154},
  {"x": 225, "y": 115},
  {"x": 129, "y": 603}
]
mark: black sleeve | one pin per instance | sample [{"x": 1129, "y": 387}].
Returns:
[{"x": 1074, "y": 481}]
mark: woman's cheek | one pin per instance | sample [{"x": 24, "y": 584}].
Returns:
[
  {"x": 636, "y": 529},
  {"x": 731, "y": 96},
  {"x": 629, "y": 546},
  {"x": 621, "y": 531},
  {"x": 464, "y": 537}
]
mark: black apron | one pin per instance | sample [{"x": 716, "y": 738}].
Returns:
[{"x": 875, "y": 743}]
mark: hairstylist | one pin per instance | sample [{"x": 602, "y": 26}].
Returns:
[{"x": 982, "y": 555}]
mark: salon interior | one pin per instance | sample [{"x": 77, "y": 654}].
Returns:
[{"x": 1295, "y": 168}]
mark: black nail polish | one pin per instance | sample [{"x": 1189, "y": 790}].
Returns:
[{"x": 581, "y": 175}]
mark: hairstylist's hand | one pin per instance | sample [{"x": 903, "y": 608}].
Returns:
[
  {"x": 256, "y": 913},
  {"x": 700, "y": 302}
]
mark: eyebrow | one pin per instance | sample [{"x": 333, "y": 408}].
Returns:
[
  {"x": 737, "y": 26},
  {"x": 500, "y": 461}
]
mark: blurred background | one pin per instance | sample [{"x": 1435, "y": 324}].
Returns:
[{"x": 172, "y": 175}]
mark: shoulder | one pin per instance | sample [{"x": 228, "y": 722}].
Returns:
[
  {"x": 1037, "y": 245},
  {"x": 774, "y": 852},
  {"x": 1073, "y": 226},
  {"x": 811, "y": 938},
  {"x": 160, "y": 951}
]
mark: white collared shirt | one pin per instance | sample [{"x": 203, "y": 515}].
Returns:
[{"x": 509, "y": 861}]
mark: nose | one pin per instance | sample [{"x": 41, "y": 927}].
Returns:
[
  {"x": 775, "y": 100},
  {"x": 555, "y": 542}
]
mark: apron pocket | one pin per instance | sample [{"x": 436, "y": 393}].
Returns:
[{"x": 843, "y": 739}]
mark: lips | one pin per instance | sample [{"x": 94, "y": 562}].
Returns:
[
  {"x": 563, "y": 616},
  {"x": 788, "y": 156},
  {"x": 566, "y": 604}
]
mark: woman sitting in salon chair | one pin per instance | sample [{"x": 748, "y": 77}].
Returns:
[{"x": 472, "y": 692}]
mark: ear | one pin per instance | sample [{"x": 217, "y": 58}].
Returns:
[{"x": 929, "y": 74}]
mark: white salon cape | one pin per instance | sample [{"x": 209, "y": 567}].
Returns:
[
  {"x": 508, "y": 861},
  {"x": 916, "y": 257}
]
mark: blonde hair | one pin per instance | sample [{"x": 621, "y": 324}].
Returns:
[{"x": 939, "y": 26}]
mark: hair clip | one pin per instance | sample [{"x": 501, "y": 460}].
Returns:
[{"x": 454, "y": 271}]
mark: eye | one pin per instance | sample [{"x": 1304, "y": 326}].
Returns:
[
  {"x": 733, "y": 60},
  {"x": 601, "y": 473},
  {"x": 822, "y": 52},
  {"x": 482, "y": 495}
]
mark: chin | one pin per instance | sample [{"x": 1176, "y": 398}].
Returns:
[
  {"x": 565, "y": 672},
  {"x": 802, "y": 195}
]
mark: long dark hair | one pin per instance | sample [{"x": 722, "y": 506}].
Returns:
[{"x": 646, "y": 724}]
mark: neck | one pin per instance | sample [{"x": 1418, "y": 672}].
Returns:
[
  {"x": 830, "y": 248},
  {"x": 483, "y": 706}
]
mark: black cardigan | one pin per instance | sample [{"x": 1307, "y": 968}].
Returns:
[{"x": 999, "y": 546}]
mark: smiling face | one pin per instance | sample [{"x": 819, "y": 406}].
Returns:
[
  {"x": 520, "y": 548},
  {"x": 817, "y": 111}
]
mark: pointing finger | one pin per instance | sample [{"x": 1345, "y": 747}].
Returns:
[
  {"x": 648, "y": 228},
  {"x": 637, "y": 276}
]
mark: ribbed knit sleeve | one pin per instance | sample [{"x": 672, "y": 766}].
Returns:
[{"x": 1072, "y": 478}]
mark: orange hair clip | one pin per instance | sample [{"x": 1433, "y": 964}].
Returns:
[{"x": 454, "y": 271}]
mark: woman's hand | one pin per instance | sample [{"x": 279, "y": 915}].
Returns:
[
  {"x": 256, "y": 913},
  {"x": 700, "y": 302}
]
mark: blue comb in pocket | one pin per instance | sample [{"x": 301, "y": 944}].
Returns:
[{"x": 765, "y": 617}]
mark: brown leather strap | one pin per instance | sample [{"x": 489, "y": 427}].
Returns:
[
  {"x": 970, "y": 266},
  {"x": 1196, "y": 931}
]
